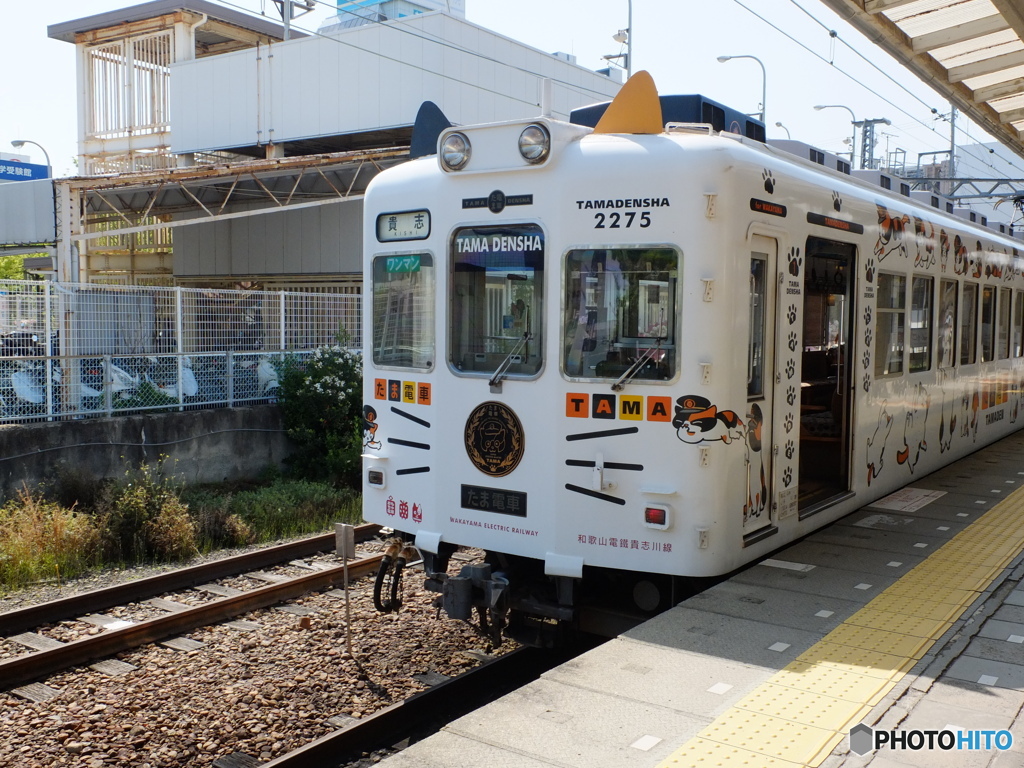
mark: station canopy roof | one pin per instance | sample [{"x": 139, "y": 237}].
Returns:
[{"x": 970, "y": 51}]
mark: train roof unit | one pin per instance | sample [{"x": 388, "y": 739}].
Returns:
[{"x": 692, "y": 108}]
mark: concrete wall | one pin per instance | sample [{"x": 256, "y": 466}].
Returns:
[{"x": 205, "y": 446}]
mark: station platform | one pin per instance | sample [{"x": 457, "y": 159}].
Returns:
[{"x": 906, "y": 616}]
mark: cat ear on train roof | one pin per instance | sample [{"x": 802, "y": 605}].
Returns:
[
  {"x": 430, "y": 124},
  {"x": 635, "y": 109}
]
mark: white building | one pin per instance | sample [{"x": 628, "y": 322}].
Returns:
[{"x": 216, "y": 150}]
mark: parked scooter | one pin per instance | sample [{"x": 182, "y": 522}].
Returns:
[
  {"x": 23, "y": 374},
  {"x": 121, "y": 383},
  {"x": 163, "y": 374},
  {"x": 256, "y": 378}
]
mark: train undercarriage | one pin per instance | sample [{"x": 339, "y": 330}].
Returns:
[{"x": 508, "y": 596}]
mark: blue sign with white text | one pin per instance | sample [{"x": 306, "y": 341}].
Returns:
[{"x": 12, "y": 170}]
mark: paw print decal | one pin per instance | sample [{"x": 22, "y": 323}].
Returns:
[
  {"x": 792, "y": 341},
  {"x": 790, "y": 449},
  {"x": 869, "y": 271},
  {"x": 790, "y": 368},
  {"x": 837, "y": 202},
  {"x": 790, "y": 395},
  {"x": 769, "y": 181},
  {"x": 867, "y": 382},
  {"x": 868, "y": 336},
  {"x": 795, "y": 261},
  {"x": 866, "y": 360},
  {"x": 791, "y": 314},
  {"x": 867, "y": 316},
  {"x": 788, "y": 423},
  {"x": 787, "y": 476}
]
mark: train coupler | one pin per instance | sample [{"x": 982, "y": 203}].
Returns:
[{"x": 474, "y": 587}]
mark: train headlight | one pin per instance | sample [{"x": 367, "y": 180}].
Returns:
[
  {"x": 455, "y": 151},
  {"x": 534, "y": 144}
]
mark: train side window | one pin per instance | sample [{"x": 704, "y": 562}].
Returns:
[
  {"x": 758, "y": 303},
  {"x": 1003, "y": 327},
  {"x": 619, "y": 313},
  {"x": 403, "y": 311},
  {"x": 988, "y": 323},
  {"x": 890, "y": 323},
  {"x": 948, "y": 295},
  {"x": 969, "y": 325},
  {"x": 1016, "y": 349},
  {"x": 496, "y": 312},
  {"x": 921, "y": 289}
]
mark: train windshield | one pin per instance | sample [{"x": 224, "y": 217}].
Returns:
[
  {"x": 620, "y": 308},
  {"x": 403, "y": 311},
  {"x": 496, "y": 313}
]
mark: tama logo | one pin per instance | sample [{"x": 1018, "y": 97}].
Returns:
[
  {"x": 623, "y": 202},
  {"x": 580, "y": 405}
]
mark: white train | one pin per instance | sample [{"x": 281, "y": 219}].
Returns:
[{"x": 618, "y": 359}]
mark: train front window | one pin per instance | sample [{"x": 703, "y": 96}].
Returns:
[
  {"x": 403, "y": 311},
  {"x": 496, "y": 308},
  {"x": 619, "y": 313}
]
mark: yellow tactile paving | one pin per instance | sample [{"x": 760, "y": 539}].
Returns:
[
  {"x": 900, "y": 623},
  {"x": 859, "y": 660},
  {"x": 880, "y": 640},
  {"x": 767, "y": 735},
  {"x": 831, "y": 681},
  {"x": 948, "y": 595},
  {"x": 927, "y": 609},
  {"x": 805, "y": 710},
  {"x": 943, "y": 576},
  {"x": 803, "y": 707},
  {"x": 703, "y": 753}
]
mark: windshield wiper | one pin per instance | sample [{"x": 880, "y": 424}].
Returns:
[
  {"x": 635, "y": 368},
  {"x": 502, "y": 369}
]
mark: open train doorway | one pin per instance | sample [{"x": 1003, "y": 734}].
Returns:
[{"x": 826, "y": 384}]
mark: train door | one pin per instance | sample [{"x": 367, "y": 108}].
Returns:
[
  {"x": 825, "y": 385},
  {"x": 758, "y": 511}
]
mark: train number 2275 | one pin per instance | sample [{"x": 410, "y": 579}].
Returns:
[{"x": 622, "y": 220}]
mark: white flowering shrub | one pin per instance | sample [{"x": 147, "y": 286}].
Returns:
[{"x": 321, "y": 400}]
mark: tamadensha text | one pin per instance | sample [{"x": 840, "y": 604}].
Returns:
[
  {"x": 500, "y": 244},
  {"x": 634, "y": 202}
]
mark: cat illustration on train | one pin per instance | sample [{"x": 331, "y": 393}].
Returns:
[{"x": 698, "y": 420}]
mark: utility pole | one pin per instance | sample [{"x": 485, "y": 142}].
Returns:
[
  {"x": 952, "y": 141},
  {"x": 287, "y": 8},
  {"x": 867, "y": 144}
]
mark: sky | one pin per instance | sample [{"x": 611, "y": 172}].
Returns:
[{"x": 677, "y": 41}]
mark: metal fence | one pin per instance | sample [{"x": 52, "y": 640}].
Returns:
[{"x": 80, "y": 350}]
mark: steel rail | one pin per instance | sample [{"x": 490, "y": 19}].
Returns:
[
  {"x": 35, "y": 666},
  {"x": 21, "y": 619}
]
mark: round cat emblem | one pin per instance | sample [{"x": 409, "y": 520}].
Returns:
[{"x": 494, "y": 439}]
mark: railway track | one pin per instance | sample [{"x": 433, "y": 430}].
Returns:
[
  {"x": 281, "y": 689},
  {"x": 420, "y": 714},
  {"x": 52, "y": 655}
]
